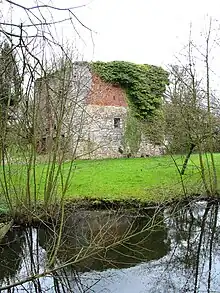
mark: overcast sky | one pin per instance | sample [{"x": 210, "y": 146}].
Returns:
[
  {"x": 144, "y": 31},
  {"x": 141, "y": 31}
]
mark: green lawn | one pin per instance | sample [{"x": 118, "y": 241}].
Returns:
[
  {"x": 148, "y": 179},
  {"x": 154, "y": 178}
]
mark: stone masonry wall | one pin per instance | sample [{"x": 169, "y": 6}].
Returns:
[
  {"x": 94, "y": 116},
  {"x": 100, "y": 137}
]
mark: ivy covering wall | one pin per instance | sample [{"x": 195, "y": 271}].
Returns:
[
  {"x": 132, "y": 134},
  {"x": 144, "y": 84}
]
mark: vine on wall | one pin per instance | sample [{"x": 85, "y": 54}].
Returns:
[
  {"x": 144, "y": 84},
  {"x": 132, "y": 134}
]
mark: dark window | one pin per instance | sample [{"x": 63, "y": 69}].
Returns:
[{"x": 116, "y": 122}]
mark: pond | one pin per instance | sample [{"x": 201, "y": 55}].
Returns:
[{"x": 172, "y": 249}]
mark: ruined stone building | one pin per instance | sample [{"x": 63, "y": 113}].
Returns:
[{"x": 87, "y": 112}]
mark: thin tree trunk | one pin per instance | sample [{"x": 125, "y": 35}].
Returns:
[
  {"x": 182, "y": 172},
  {"x": 213, "y": 181}
]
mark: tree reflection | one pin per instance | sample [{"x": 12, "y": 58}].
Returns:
[
  {"x": 194, "y": 233},
  {"x": 11, "y": 254},
  {"x": 115, "y": 240},
  {"x": 176, "y": 249}
]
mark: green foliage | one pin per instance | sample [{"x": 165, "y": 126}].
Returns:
[
  {"x": 144, "y": 84},
  {"x": 10, "y": 81},
  {"x": 132, "y": 135},
  {"x": 185, "y": 125},
  {"x": 154, "y": 129}
]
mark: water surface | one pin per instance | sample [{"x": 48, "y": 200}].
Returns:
[{"x": 176, "y": 249}]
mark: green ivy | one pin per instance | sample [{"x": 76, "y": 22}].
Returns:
[
  {"x": 132, "y": 134},
  {"x": 144, "y": 84}
]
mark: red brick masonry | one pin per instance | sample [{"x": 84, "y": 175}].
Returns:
[{"x": 106, "y": 94}]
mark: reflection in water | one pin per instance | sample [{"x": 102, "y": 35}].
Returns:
[
  {"x": 171, "y": 250},
  {"x": 94, "y": 230},
  {"x": 11, "y": 254}
]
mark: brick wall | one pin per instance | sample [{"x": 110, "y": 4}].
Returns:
[{"x": 106, "y": 94}]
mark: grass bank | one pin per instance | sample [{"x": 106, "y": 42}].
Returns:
[
  {"x": 153, "y": 179},
  {"x": 146, "y": 179}
]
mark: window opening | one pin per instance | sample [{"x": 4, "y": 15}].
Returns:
[{"x": 117, "y": 122}]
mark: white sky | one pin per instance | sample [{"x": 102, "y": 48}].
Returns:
[
  {"x": 144, "y": 31},
  {"x": 141, "y": 31}
]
